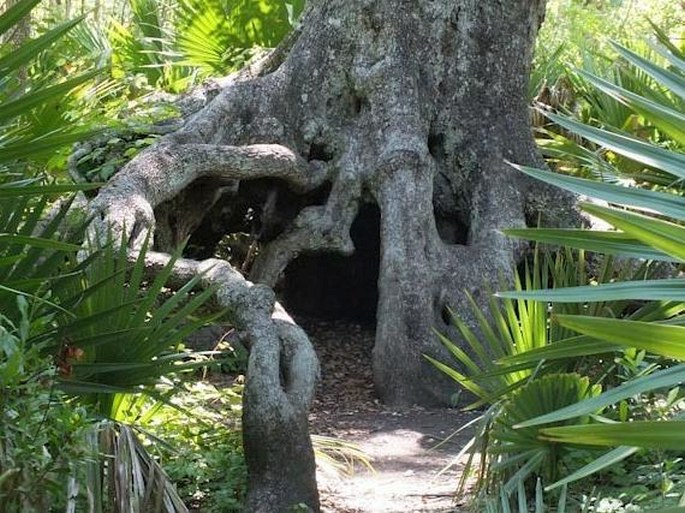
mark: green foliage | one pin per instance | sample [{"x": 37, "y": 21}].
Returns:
[
  {"x": 660, "y": 435},
  {"x": 512, "y": 459},
  {"x": 145, "y": 49},
  {"x": 111, "y": 338},
  {"x": 515, "y": 340},
  {"x": 514, "y": 347},
  {"x": 520, "y": 452},
  {"x": 168, "y": 46},
  {"x": 112, "y": 151},
  {"x": 100, "y": 318},
  {"x": 111, "y": 331},
  {"x": 503, "y": 503},
  {"x": 575, "y": 33},
  {"x": 202, "y": 451},
  {"x": 203, "y": 448},
  {"x": 198, "y": 37},
  {"x": 587, "y": 75},
  {"x": 123, "y": 337},
  {"x": 34, "y": 118},
  {"x": 32, "y": 250},
  {"x": 654, "y": 228},
  {"x": 645, "y": 336},
  {"x": 41, "y": 435},
  {"x": 220, "y": 35},
  {"x": 509, "y": 327}
]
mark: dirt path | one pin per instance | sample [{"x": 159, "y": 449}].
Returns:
[{"x": 408, "y": 468}]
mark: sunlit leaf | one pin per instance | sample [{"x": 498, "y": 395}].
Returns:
[
  {"x": 646, "y": 290},
  {"x": 658, "y": 380},
  {"x": 652, "y": 434},
  {"x": 613, "y": 243},
  {"x": 667, "y": 204},
  {"x": 656, "y": 338},
  {"x": 662, "y": 235}
]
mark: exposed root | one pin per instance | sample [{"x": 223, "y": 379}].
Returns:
[
  {"x": 280, "y": 385},
  {"x": 125, "y": 207},
  {"x": 411, "y": 105}
]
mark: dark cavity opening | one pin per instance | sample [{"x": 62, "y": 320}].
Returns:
[
  {"x": 330, "y": 286},
  {"x": 358, "y": 104},
  {"x": 436, "y": 145},
  {"x": 258, "y": 212},
  {"x": 450, "y": 228},
  {"x": 450, "y": 214},
  {"x": 446, "y": 315},
  {"x": 320, "y": 151}
]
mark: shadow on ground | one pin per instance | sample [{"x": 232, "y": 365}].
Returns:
[{"x": 412, "y": 450}]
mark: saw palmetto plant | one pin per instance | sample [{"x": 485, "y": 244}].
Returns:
[
  {"x": 110, "y": 331},
  {"x": 648, "y": 218},
  {"x": 533, "y": 334}
]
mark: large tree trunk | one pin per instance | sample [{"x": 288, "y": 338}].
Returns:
[{"x": 413, "y": 106}]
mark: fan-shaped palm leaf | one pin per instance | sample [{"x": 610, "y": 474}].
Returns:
[{"x": 659, "y": 228}]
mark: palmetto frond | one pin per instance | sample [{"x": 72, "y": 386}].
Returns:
[{"x": 650, "y": 226}]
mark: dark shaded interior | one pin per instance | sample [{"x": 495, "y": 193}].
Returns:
[
  {"x": 451, "y": 220},
  {"x": 451, "y": 230},
  {"x": 330, "y": 286},
  {"x": 259, "y": 210}
]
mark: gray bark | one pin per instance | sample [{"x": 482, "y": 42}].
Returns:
[
  {"x": 20, "y": 33},
  {"x": 412, "y": 106},
  {"x": 282, "y": 373}
]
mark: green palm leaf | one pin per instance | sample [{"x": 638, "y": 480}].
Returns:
[
  {"x": 30, "y": 149},
  {"x": 127, "y": 335},
  {"x": 612, "y": 243},
  {"x": 27, "y": 51},
  {"x": 574, "y": 347},
  {"x": 661, "y": 339},
  {"x": 37, "y": 242},
  {"x": 630, "y": 147},
  {"x": 25, "y": 103},
  {"x": 657, "y": 435},
  {"x": 15, "y": 13},
  {"x": 656, "y": 327},
  {"x": 662, "y": 116},
  {"x": 17, "y": 190},
  {"x": 669, "y": 79},
  {"x": 522, "y": 448},
  {"x": 664, "y": 203},
  {"x": 661, "y": 379},
  {"x": 606, "y": 460},
  {"x": 645, "y": 290},
  {"x": 662, "y": 235}
]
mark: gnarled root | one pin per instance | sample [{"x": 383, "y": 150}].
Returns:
[
  {"x": 281, "y": 378},
  {"x": 282, "y": 367}
]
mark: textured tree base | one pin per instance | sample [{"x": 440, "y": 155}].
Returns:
[{"x": 410, "y": 107}]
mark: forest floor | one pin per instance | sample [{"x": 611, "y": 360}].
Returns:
[{"x": 403, "y": 445}]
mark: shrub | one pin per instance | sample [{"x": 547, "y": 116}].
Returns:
[{"x": 41, "y": 434}]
